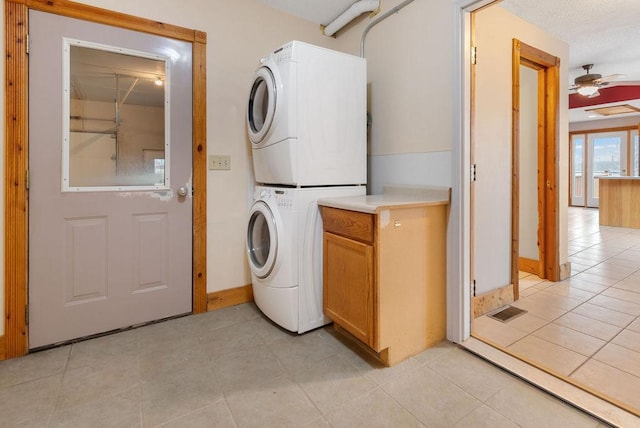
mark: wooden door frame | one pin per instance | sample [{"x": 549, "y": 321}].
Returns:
[
  {"x": 548, "y": 67},
  {"x": 16, "y": 256}
]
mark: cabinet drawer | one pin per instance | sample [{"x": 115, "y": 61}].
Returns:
[{"x": 351, "y": 224}]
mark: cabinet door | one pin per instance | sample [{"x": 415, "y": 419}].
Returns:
[{"x": 349, "y": 286}]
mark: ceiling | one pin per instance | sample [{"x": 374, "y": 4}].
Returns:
[{"x": 597, "y": 31}]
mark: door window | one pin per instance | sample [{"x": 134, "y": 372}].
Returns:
[
  {"x": 115, "y": 109},
  {"x": 261, "y": 109},
  {"x": 259, "y": 239}
]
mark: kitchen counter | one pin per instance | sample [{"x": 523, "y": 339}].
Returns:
[
  {"x": 393, "y": 195},
  {"x": 619, "y": 201},
  {"x": 612, "y": 177},
  {"x": 384, "y": 269}
]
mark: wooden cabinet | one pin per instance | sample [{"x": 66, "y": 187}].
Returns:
[{"x": 385, "y": 277}]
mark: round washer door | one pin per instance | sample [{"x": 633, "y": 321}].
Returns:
[
  {"x": 263, "y": 101},
  {"x": 262, "y": 240}
]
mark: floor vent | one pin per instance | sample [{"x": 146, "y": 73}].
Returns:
[{"x": 508, "y": 313}]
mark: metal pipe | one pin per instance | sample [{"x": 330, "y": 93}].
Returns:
[{"x": 382, "y": 17}]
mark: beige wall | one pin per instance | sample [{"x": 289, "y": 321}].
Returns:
[
  {"x": 410, "y": 58},
  {"x": 409, "y": 65},
  {"x": 239, "y": 32},
  {"x": 495, "y": 30}
]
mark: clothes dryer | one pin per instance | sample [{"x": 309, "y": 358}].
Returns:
[
  {"x": 307, "y": 117},
  {"x": 284, "y": 247}
]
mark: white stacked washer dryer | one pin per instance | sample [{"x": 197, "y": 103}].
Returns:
[{"x": 307, "y": 124}]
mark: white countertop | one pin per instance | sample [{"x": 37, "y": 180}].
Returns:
[{"x": 393, "y": 196}]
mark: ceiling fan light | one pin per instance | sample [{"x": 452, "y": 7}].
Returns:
[
  {"x": 158, "y": 81},
  {"x": 587, "y": 90}
]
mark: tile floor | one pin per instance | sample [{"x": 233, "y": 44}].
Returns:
[
  {"x": 232, "y": 368},
  {"x": 587, "y": 327}
]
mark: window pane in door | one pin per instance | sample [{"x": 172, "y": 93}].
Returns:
[
  {"x": 116, "y": 102},
  {"x": 577, "y": 167}
]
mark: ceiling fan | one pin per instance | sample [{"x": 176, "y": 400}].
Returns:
[{"x": 589, "y": 83}]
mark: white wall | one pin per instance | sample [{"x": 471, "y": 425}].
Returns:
[
  {"x": 495, "y": 30},
  {"x": 409, "y": 64},
  {"x": 619, "y": 122}
]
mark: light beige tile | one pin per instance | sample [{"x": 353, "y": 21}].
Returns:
[
  {"x": 374, "y": 409},
  {"x": 629, "y": 339},
  {"x": 618, "y": 272},
  {"x": 527, "y": 322},
  {"x": 548, "y": 299},
  {"x": 196, "y": 389},
  {"x": 434, "y": 400},
  {"x": 556, "y": 358},
  {"x": 33, "y": 366},
  {"x": 100, "y": 413},
  {"x": 296, "y": 353},
  {"x": 441, "y": 350},
  {"x": 627, "y": 296},
  {"x": 565, "y": 290},
  {"x": 582, "y": 284},
  {"x": 30, "y": 403},
  {"x": 582, "y": 261},
  {"x": 590, "y": 326},
  {"x": 242, "y": 369},
  {"x": 530, "y": 281},
  {"x": 277, "y": 403},
  {"x": 485, "y": 417},
  {"x": 616, "y": 304},
  {"x": 333, "y": 382},
  {"x": 576, "y": 268},
  {"x": 530, "y": 407},
  {"x": 623, "y": 262},
  {"x": 620, "y": 357},
  {"x": 596, "y": 278},
  {"x": 635, "y": 326},
  {"x": 631, "y": 283},
  {"x": 539, "y": 308},
  {"x": 495, "y": 331},
  {"x": 610, "y": 381},
  {"x": 600, "y": 313},
  {"x": 593, "y": 255},
  {"x": 528, "y": 292},
  {"x": 230, "y": 339},
  {"x": 88, "y": 384},
  {"x": 216, "y": 415},
  {"x": 473, "y": 375},
  {"x": 570, "y": 339},
  {"x": 113, "y": 350}
]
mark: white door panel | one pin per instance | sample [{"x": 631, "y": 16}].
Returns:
[{"x": 107, "y": 259}]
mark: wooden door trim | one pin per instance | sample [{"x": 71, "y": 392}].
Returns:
[
  {"x": 548, "y": 67},
  {"x": 16, "y": 150}
]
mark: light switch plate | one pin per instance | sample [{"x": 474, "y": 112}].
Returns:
[{"x": 219, "y": 162}]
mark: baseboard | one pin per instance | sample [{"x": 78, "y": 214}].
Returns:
[
  {"x": 565, "y": 271},
  {"x": 3, "y": 351},
  {"x": 231, "y": 297},
  {"x": 529, "y": 265},
  {"x": 491, "y": 300}
]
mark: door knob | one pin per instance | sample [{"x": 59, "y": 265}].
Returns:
[{"x": 182, "y": 191}]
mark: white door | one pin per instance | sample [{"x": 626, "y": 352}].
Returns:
[
  {"x": 110, "y": 146},
  {"x": 606, "y": 155}
]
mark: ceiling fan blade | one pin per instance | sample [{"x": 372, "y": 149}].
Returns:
[{"x": 612, "y": 77}]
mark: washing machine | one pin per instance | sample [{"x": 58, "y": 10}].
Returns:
[
  {"x": 284, "y": 247},
  {"x": 307, "y": 117}
]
